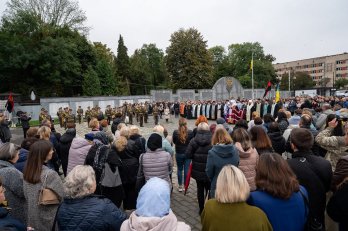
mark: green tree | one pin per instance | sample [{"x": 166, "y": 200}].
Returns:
[
  {"x": 245, "y": 80},
  {"x": 91, "y": 83},
  {"x": 341, "y": 83},
  {"x": 221, "y": 64},
  {"x": 105, "y": 69},
  {"x": 56, "y": 13},
  {"x": 189, "y": 64},
  {"x": 123, "y": 64},
  {"x": 302, "y": 80},
  {"x": 323, "y": 82},
  {"x": 240, "y": 55}
]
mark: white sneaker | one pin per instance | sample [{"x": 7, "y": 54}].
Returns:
[{"x": 180, "y": 188}]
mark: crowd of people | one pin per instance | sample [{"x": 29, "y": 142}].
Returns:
[{"x": 280, "y": 166}]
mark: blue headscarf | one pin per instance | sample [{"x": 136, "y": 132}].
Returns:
[{"x": 154, "y": 199}]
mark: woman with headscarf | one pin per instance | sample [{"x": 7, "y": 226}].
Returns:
[
  {"x": 153, "y": 210},
  {"x": 98, "y": 156}
]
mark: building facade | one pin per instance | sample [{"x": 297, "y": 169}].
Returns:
[{"x": 323, "y": 70}]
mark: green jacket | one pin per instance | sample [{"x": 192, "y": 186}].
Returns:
[{"x": 233, "y": 216}]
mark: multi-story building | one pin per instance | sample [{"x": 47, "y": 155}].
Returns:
[{"x": 323, "y": 70}]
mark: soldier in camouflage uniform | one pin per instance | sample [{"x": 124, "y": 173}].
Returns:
[
  {"x": 60, "y": 116},
  {"x": 42, "y": 115},
  {"x": 79, "y": 114},
  {"x": 141, "y": 112},
  {"x": 65, "y": 116},
  {"x": 130, "y": 113},
  {"x": 71, "y": 117},
  {"x": 108, "y": 113},
  {"x": 155, "y": 114},
  {"x": 146, "y": 113},
  {"x": 136, "y": 110},
  {"x": 88, "y": 115}
]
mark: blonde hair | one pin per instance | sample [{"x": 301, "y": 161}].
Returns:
[
  {"x": 288, "y": 114},
  {"x": 221, "y": 136},
  {"x": 203, "y": 126},
  {"x": 120, "y": 126},
  {"x": 231, "y": 185},
  {"x": 44, "y": 133},
  {"x": 255, "y": 114},
  {"x": 124, "y": 132},
  {"x": 120, "y": 143},
  {"x": 306, "y": 111},
  {"x": 158, "y": 129},
  {"x": 134, "y": 130},
  {"x": 94, "y": 123}
]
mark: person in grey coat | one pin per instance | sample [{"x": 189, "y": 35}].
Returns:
[
  {"x": 320, "y": 124},
  {"x": 36, "y": 176},
  {"x": 12, "y": 180},
  {"x": 156, "y": 162}
]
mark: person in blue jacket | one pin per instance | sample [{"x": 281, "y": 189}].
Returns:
[
  {"x": 81, "y": 210},
  {"x": 279, "y": 194},
  {"x": 222, "y": 153}
]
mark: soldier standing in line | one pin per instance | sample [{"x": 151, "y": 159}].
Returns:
[
  {"x": 141, "y": 115},
  {"x": 79, "y": 114},
  {"x": 155, "y": 114},
  {"x": 60, "y": 116},
  {"x": 130, "y": 113},
  {"x": 48, "y": 116},
  {"x": 65, "y": 116},
  {"x": 71, "y": 117},
  {"x": 160, "y": 109},
  {"x": 42, "y": 115},
  {"x": 146, "y": 113},
  {"x": 137, "y": 109},
  {"x": 88, "y": 114},
  {"x": 108, "y": 113}
]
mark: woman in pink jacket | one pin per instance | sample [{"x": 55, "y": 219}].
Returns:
[
  {"x": 78, "y": 152},
  {"x": 247, "y": 154}
]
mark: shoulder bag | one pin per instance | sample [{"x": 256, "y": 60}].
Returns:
[{"x": 47, "y": 196}]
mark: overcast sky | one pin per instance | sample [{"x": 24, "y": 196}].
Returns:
[{"x": 287, "y": 29}]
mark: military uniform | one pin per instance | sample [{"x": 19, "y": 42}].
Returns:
[
  {"x": 79, "y": 114},
  {"x": 71, "y": 118},
  {"x": 130, "y": 113},
  {"x": 88, "y": 115},
  {"x": 155, "y": 114},
  {"x": 146, "y": 114},
  {"x": 108, "y": 113},
  {"x": 42, "y": 115},
  {"x": 60, "y": 116},
  {"x": 65, "y": 117},
  {"x": 141, "y": 112}
]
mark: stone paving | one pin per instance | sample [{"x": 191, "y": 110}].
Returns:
[{"x": 185, "y": 207}]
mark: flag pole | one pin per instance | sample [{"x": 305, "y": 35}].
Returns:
[{"x": 252, "y": 74}]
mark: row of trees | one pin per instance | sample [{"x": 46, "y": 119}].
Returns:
[{"x": 43, "y": 47}]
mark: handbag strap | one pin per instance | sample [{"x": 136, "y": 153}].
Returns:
[
  {"x": 45, "y": 180},
  {"x": 55, "y": 218}
]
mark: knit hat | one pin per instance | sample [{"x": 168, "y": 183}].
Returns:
[
  {"x": 220, "y": 121},
  {"x": 154, "y": 142},
  {"x": 89, "y": 136}
]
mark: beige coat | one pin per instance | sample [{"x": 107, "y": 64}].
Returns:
[
  {"x": 167, "y": 223},
  {"x": 247, "y": 164},
  {"x": 335, "y": 146}
]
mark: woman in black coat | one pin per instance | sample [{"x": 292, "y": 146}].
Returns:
[
  {"x": 64, "y": 146},
  {"x": 277, "y": 139},
  {"x": 197, "y": 150},
  {"x": 109, "y": 156}
]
